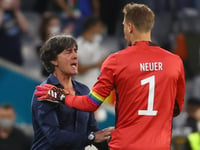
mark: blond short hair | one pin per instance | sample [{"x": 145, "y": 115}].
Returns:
[{"x": 140, "y": 15}]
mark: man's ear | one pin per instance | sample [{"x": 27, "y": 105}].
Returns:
[
  {"x": 54, "y": 62},
  {"x": 131, "y": 27}
]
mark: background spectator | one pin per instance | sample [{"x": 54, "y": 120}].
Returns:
[
  {"x": 91, "y": 54},
  {"x": 71, "y": 12},
  {"x": 91, "y": 51},
  {"x": 12, "y": 24},
  {"x": 50, "y": 26},
  {"x": 11, "y": 137}
]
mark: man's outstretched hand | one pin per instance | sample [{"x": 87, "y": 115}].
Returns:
[{"x": 48, "y": 92}]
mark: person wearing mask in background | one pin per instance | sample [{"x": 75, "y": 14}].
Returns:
[
  {"x": 149, "y": 82},
  {"x": 50, "y": 26},
  {"x": 91, "y": 54},
  {"x": 73, "y": 13},
  {"x": 12, "y": 25},
  {"x": 11, "y": 138},
  {"x": 58, "y": 127},
  {"x": 76, "y": 9}
]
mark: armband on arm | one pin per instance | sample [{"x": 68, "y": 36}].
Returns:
[
  {"x": 88, "y": 102},
  {"x": 54, "y": 94}
]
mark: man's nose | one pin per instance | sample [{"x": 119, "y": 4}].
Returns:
[{"x": 74, "y": 53}]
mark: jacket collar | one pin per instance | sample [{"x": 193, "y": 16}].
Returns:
[{"x": 53, "y": 80}]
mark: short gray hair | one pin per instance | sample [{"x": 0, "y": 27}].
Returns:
[{"x": 54, "y": 46}]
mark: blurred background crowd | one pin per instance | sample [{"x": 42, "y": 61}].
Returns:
[{"x": 97, "y": 26}]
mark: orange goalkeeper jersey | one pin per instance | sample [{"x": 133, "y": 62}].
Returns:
[{"x": 149, "y": 83}]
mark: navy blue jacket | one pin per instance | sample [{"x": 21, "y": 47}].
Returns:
[{"x": 58, "y": 127}]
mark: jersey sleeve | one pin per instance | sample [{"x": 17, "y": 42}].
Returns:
[
  {"x": 100, "y": 90},
  {"x": 106, "y": 80},
  {"x": 179, "y": 102}
]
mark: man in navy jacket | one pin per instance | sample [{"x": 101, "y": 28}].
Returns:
[{"x": 58, "y": 126}]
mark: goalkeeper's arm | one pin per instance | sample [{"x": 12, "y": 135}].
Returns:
[
  {"x": 83, "y": 103},
  {"x": 88, "y": 102},
  {"x": 54, "y": 94}
]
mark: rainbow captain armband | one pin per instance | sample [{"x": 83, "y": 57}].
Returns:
[{"x": 96, "y": 98}]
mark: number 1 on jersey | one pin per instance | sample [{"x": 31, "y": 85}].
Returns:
[{"x": 149, "y": 111}]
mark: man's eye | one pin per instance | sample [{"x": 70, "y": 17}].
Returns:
[{"x": 68, "y": 50}]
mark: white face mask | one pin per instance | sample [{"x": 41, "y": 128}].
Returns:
[
  {"x": 55, "y": 30},
  {"x": 98, "y": 38},
  {"x": 6, "y": 124},
  {"x": 8, "y": 1}
]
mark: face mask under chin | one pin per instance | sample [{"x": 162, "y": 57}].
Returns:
[{"x": 6, "y": 124}]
